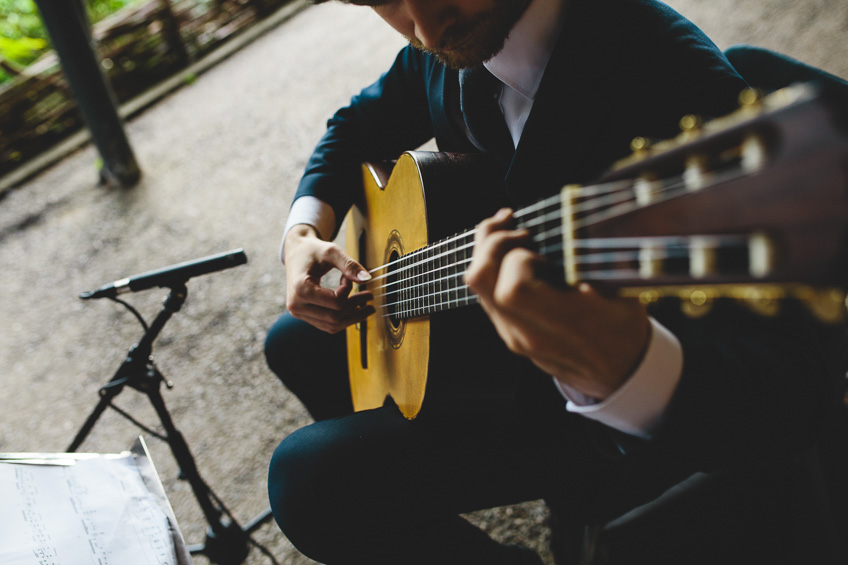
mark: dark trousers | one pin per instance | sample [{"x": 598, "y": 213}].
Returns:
[{"x": 374, "y": 487}]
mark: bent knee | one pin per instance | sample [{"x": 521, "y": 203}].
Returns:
[{"x": 300, "y": 491}]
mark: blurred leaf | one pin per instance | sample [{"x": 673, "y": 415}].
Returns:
[
  {"x": 23, "y": 38},
  {"x": 22, "y": 50}
]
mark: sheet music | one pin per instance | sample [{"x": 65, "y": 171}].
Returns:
[{"x": 95, "y": 510}]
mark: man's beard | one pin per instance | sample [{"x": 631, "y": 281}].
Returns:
[{"x": 470, "y": 43}]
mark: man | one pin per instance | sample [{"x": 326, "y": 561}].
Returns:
[{"x": 605, "y": 406}]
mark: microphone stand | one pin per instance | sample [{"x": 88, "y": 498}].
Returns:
[{"x": 226, "y": 541}]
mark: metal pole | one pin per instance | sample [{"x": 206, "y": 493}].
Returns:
[{"x": 67, "y": 23}]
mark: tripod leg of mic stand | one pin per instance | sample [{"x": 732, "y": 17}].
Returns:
[
  {"x": 226, "y": 542},
  {"x": 105, "y": 398}
]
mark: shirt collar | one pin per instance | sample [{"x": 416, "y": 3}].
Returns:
[{"x": 522, "y": 61}]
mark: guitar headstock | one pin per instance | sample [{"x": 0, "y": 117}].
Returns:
[{"x": 753, "y": 206}]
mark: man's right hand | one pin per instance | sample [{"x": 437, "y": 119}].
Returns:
[{"x": 308, "y": 259}]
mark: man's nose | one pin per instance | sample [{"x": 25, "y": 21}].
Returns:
[{"x": 430, "y": 19}]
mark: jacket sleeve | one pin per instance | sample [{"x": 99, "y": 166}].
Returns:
[{"x": 385, "y": 119}]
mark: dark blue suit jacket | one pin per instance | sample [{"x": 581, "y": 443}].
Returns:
[{"x": 621, "y": 69}]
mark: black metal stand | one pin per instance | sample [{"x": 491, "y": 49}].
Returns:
[{"x": 226, "y": 541}]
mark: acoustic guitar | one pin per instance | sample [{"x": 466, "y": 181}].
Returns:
[{"x": 752, "y": 206}]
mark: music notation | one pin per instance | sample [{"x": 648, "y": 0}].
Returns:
[{"x": 87, "y": 509}]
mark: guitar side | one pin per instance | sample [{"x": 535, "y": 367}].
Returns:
[{"x": 388, "y": 357}]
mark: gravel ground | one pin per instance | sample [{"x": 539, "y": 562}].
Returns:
[{"x": 221, "y": 158}]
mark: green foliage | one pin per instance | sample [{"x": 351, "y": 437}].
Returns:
[
  {"x": 99, "y": 9},
  {"x": 23, "y": 38}
]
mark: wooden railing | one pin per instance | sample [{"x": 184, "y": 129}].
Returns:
[{"x": 138, "y": 47}]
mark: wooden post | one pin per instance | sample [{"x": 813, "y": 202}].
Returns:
[{"x": 69, "y": 28}]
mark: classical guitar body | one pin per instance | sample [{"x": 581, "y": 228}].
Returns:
[
  {"x": 390, "y": 353},
  {"x": 386, "y": 357}
]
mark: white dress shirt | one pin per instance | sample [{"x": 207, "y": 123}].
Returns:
[{"x": 638, "y": 405}]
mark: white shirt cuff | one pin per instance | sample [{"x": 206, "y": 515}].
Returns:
[
  {"x": 311, "y": 211},
  {"x": 637, "y": 407}
]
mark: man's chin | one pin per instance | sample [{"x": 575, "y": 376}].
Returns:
[{"x": 457, "y": 59}]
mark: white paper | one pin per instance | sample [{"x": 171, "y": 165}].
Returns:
[{"x": 96, "y": 511}]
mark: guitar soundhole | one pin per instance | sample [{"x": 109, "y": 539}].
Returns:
[{"x": 394, "y": 295}]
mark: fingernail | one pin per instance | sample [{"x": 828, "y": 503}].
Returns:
[{"x": 363, "y": 276}]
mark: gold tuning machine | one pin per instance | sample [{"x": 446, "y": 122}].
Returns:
[
  {"x": 750, "y": 97},
  {"x": 640, "y": 145},
  {"x": 828, "y": 305},
  {"x": 690, "y": 123}
]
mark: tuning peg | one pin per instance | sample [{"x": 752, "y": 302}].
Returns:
[
  {"x": 690, "y": 123},
  {"x": 698, "y": 302},
  {"x": 750, "y": 97},
  {"x": 640, "y": 145}
]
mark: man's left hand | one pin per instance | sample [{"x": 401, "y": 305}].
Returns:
[{"x": 587, "y": 340}]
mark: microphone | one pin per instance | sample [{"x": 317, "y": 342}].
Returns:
[{"x": 170, "y": 276}]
